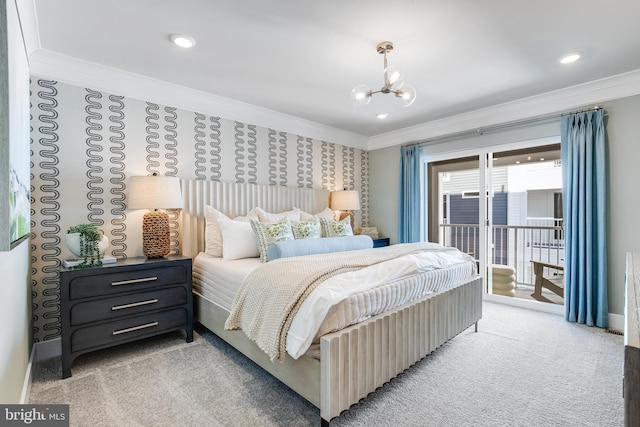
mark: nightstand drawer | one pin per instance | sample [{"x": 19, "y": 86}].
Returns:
[
  {"x": 380, "y": 242},
  {"x": 125, "y": 281},
  {"x": 110, "y": 333},
  {"x": 111, "y": 308}
]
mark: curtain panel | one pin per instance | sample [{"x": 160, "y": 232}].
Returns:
[
  {"x": 584, "y": 181},
  {"x": 409, "y": 203}
]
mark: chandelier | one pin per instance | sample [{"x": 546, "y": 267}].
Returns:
[{"x": 393, "y": 83}]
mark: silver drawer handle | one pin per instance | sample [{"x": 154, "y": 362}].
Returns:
[
  {"x": 128, "y": 282},
  {"x": 134, "y": 304},
  {"x": 135, "y": 328}
]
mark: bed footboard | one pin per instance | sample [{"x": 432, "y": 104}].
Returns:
[{"x": 357, "y": 360}]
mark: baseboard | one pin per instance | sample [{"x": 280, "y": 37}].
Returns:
[
  {"x": 616, "y": 322},
  {"x": 530, "y": 305},
  {"x": 28, "y": 378},
  {"x": 40, "y": 351}
]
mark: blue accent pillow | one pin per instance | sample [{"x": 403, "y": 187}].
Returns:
[{"x": 323, "y": 245}]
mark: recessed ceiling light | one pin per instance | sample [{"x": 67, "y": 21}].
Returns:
[
  {"x": 568, "y": 59},
  {"x": 381, "y": 116},
  {"x": 182, "y": 40}
]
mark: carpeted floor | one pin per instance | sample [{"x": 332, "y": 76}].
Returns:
[{"x": 523, "y": 368}]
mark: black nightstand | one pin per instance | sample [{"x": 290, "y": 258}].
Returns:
[
  {"x": 123, "y": 302},
  {"x": 380, "y": 242}
]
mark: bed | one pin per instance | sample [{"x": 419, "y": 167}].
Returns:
[{"x": 353, "y": 361}]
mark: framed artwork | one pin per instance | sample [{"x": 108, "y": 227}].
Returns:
[{"x": 14, "y": 132}]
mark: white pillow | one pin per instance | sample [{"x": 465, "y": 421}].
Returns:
[
  {"x": 326, "y": 214},
  {"x": 252, "y": 214},
  {"x": 212, "y": 232},
  {"x": 238, "y": 240},
  {"x": 264, "y": 216}
]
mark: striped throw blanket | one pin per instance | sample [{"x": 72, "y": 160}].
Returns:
[{"x": 271, "y": 295}]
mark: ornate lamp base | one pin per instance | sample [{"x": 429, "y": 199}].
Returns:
[{"x": 156, "y": 241}]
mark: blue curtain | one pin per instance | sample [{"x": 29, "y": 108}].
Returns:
[
  {"x": 584, "y": 181},
  {"x": 409, "y": 203}
]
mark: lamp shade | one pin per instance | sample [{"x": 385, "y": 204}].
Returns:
[
  {"x": 154, "y": 192},
  {"x": 345, "y": 200}
]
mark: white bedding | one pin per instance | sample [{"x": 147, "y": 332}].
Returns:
[
  {"x": 218, "y": 281},
  {"x": 314, "y": 309}
]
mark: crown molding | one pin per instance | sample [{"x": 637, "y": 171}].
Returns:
[
  {"x": 29, "y": 24},
  {"x": 52, "y": 65},
  {"x": 586, "y": 94}
]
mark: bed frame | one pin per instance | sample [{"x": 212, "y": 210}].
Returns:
[{"x": 354, "y": 361}]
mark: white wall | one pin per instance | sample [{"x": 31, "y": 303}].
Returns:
[
  {"x": 15, "y": 302},
  {"x": 15, "y": 322},
  {"x": 383, "y": 191},
  {"x": 623, "y": 131}
]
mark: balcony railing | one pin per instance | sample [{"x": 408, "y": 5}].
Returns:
[{"x": 512, "y": 245}]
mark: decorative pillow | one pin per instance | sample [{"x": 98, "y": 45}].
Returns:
[
  {"x": 326, "y": 213},
  {"x": 212, "y": 232},
  {"x": 331, "y": 228},
  {"x": 268, "y": 233},
  {"x": 309, "y": 229},
  {"x": 264, "y": 216},
  {"x": 291, "y": 248},
  {"x": 238, "y": 240}
]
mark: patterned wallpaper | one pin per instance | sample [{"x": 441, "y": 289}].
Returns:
[{"x": 85, "y": 144}]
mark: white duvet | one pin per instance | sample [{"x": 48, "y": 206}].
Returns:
[{"x": 314, "y": 309}]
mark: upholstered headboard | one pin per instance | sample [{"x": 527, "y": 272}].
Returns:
[{"x": 235, "y": 199}]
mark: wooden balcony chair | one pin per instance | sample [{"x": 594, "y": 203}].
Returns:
[{"x": 553, "y": 282}]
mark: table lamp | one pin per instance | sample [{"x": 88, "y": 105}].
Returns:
[
  {"x": 155, "y": 192},
  {"x": 345, "y": 201}
]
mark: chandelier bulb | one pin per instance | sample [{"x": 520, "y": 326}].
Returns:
[
  {"x": 405, "y": 96},
  {"x": 361, "y": 95},
  {"x": 393, "y": 77}
]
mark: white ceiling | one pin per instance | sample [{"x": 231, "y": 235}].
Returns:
[{"x": 302, "y": 58}]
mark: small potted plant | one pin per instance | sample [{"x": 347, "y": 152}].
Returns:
[{"x": 87, "y": 242}]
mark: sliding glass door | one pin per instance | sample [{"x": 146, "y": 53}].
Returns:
[{"x": 504, "y": 208}]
